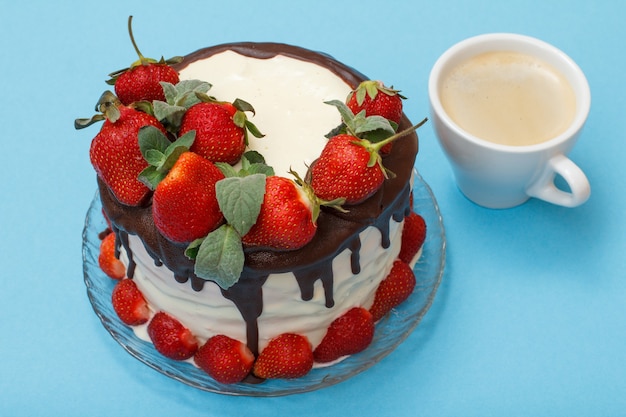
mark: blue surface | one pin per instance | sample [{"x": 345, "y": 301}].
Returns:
[{"x": 530, "y": 318}]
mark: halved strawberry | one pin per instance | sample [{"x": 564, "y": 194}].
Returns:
[
  {"x": 393, "y": 290},
  {"x": 171, "y": 338},
  {"x": 413, "y": 236},
  {"x": 111, "y": 266},
  {"x": 129, "y": 304},
  {"x": 349, "y": 334},
  {"x": 286, "y": 356},
  {"x": 225, "y": 359}
]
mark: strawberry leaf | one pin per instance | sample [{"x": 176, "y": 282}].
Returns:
[
  {"x": 220, "y": 257},
  {"x": 240, "y": 200}
]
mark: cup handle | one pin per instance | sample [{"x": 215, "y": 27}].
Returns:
[{"x": 544, "y": 188}]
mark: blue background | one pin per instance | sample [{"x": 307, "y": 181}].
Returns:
[{"x": 530, "y": 318}]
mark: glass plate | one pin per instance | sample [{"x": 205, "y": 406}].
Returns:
[{"x": 390, "y": 331}]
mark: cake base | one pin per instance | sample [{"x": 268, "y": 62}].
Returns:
[{"x": 390, "y": 331}]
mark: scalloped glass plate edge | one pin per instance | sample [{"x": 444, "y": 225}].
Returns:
[{"x": 390, "y": 331}]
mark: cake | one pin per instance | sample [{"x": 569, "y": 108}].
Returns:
[{"x": 289, "y": 309}]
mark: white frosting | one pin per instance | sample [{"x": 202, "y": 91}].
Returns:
[
  {"x": 288, "y": 96},
  {"x": 207, "y": 313}
]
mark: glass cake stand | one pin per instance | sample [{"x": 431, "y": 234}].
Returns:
[{"x": 390, "y": 331}]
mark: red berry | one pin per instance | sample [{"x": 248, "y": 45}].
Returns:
[
  {"x": 349, "y": 334},
  {"x": 226, "y": 360},
  {"x": 117, "y": 158},
  {"x": 286, "y": 219},
  {"x": 142, "y": 83},
  {"x": 171, "y": 338},
  {"x": 218, "y": 138},
  {"x": 184, "y": 204},
  {"x": 393, "y": 290},
  {"x": 286, "y": 356},
  {"x": 413, "y": 236},
  {"x": 142, "y": 80},
  {"x": 129, "y": 304},
  {"x": 343, "y": 170},
  {"x": 111, "y": 266},
  {"x": 376, "y": 100}
]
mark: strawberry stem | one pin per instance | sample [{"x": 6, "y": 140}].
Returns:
[
  {"x": 142, "y": 59},
  {"x": 379, "y": 145}
]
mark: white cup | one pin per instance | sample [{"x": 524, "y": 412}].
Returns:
[{"x": 501, "y": 176}]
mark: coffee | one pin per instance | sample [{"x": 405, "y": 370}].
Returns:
[{"x": 508, "y": 98}]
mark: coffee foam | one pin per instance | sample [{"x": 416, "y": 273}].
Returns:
[{"x": 508, "y": 98}]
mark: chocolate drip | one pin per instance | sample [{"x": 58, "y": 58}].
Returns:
[
  {"x": 247, "y": 294},
  {"x": 308, "y": 277},
  {"x": 355, "y": 258},
  {"x": 336, "y": 231}
]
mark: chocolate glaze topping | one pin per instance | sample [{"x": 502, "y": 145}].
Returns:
[{"x": 336, "y": 231}]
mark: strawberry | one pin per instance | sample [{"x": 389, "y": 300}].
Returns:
[
  {"x": 170, "y": 338},
  {"x": 351, "y": 168},
  {"x": 393, "y": 290},
  {"x": 286, "y": 356},
  {"x": 226, "y": 360},
  {"x": 142, "y": 80},
  {"x": 348, "y": 334},
  {"x": 129, "y": 304},
  {"x": 286, "y": 220},
  {"x": 343, "y": 170},
  {"x": 221, "y": 129},
  {"x": 184, "y": 204},
  {"x": 376, "y": 100},
  {"x": 115, "y": 152},
  {"x": 413, "y": 236},
  {"x": 111, "y": 266}
]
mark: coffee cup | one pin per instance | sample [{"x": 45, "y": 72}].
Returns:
[{"x": 507, "y": 109}]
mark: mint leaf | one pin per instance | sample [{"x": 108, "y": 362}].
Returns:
[
  {"x": 220, "y": 257},
  {"x": 372, "y": 123},
  {"x": 344, "y": 111},
  {"x": 240, "y": 200},
  {"x": 151, "y": 138},
  {"x": 151, "y": 177}
]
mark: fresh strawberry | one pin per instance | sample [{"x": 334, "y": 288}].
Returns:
[
  {"x": 111, "y": 266},
  {"x": 142, "y": 80},
  {"x": 115, "y": 152},
  {"x": 343, "y": 170},
  {"x": 184, "y": 204},
  {"x": 221, "y": 129},
  {"x": 376, "y": 100},
  {"x": 129, "y": 304},
  {"x": 351, "y": 168},
  {"x": 413, "y": 236},
  {"x": 349, "y": 334},
  {"x": 170, "y": 338},
  {"x": 393, "y": 290},
  {"x": 287, "y": 219},
  {"x": 286, "y": 356},
  {"x": 226, "y": 360}
]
